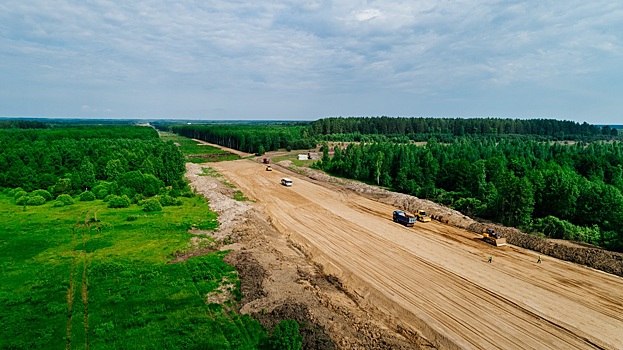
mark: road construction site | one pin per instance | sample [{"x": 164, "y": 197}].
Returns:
[{"x": 433, "y": 279}]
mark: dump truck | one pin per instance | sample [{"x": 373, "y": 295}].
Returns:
[
  {"x": 286, "y": 182},
  {"x": 421, "y": 216},
  {"x": 404, "y": 218},
  {"x": 490, "y": 236}
]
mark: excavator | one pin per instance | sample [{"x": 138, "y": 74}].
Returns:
[{"x": 490, "y": 236}]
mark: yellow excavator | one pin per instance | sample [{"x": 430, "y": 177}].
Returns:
[{"x": 490, "y": 236}]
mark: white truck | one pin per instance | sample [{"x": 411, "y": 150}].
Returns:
[{"x": 286, "y": 182}]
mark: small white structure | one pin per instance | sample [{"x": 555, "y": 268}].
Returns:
[{"x": 303, "y": 157}]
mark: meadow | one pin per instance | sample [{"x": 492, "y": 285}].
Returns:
[{"x": 85, "y": 276}]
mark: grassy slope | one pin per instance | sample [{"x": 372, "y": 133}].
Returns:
[{"x": 118, "y": 277}]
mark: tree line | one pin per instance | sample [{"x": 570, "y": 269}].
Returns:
[
  {"x": 114, "y": 160},
  {"x": 257, "y": 138},
  {"x": 560, "y": 129},
  {"x": 566, "y": 191}
]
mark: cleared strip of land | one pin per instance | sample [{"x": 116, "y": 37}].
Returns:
[{"x": 434, "y": 278}]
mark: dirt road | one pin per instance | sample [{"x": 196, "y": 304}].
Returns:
[
  {"x": 230, "y": 150},
  {"x": 433, "y": 279}
]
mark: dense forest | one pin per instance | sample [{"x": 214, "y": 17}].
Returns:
[
  {"x": 556, "y": 129},
  {"x": 560, "y": 178},
  {"x": 117, "y": 160}
]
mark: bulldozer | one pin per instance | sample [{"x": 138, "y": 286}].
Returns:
[
  {"x": 490, "y": 236},
  {"x": 421, "y": 216}
]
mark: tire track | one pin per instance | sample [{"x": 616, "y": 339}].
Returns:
[
  {"x": 71, "y": 288},
  {"x": 436, "y": 275},
  {"x": 86, "y": 235}
]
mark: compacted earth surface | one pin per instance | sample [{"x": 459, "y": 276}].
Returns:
[{"x": 331, "y": 258}]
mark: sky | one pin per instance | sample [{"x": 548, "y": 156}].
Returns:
[{"x": 310, "y": 59}]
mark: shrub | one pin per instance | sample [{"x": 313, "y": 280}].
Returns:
[
  {"x": 187, "y": 194},
  {"x": 15, "y": 190},
  {"x": 87, "y": 196},
  {"x": 43, "y": 193},
  {"x": 119, "y": 201},
  {"x": 108, "y": 197},
  {"x": 20, "y": 193},
  {"x": 286, "y": 336},
  {"x": 101, "y": 194},
  {"x": 36, "y": 200},
  {"x": 102, "y": 187},
  {"x": 58, "y": 203},
  {"x": 132, "y": 218},
  {"x": 66, "y": 199},
  {"x": 167, "y": 200},
  {"x": 22, "y": 200},
  {"x": 137, "y": 198},
  {"x": 152, "y": 204}
]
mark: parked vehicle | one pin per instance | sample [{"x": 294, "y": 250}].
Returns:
[
  {"x": 404, "y": 218},
  {"x": 286, "y": 182}
]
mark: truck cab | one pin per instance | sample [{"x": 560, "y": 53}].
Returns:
[
  {"x": 286, "y": 182},
  {"x": 403, "y": 218}
]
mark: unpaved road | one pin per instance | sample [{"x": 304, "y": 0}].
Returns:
[{"x": 433, "y": 279}]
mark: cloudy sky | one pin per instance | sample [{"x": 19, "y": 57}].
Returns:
[{"x": 308, "y": 59}]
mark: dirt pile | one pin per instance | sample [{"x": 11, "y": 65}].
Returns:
[
  {"x": 610, "y": 262},
  {"x": 596, "y": 258}
]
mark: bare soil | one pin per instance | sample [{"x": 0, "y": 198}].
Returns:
[
  {"x": 279, "y": 282},
  {"x": 230, "y": 150},
  {"x": 328, "y": 252}
]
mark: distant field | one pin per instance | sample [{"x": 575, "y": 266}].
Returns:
[
  {"x": 86, "y": 276},
  {"x": 195, "y": 152}
]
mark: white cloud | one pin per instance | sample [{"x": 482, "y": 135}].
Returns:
[{"x": 195, "y": 56}]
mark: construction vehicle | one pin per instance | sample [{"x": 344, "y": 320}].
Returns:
[
  {"x": 404, "y": 218},
  {"x": 286, "y": 182},
  {"x": 490, "y": 236},
  {"x": 421, "y": 216},
  {"x": 268, "y": 168},
  {"x": 266, "y": 160}
]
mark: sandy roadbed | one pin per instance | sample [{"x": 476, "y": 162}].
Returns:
[{"x": 433, "y": 279}]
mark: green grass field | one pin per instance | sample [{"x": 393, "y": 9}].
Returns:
[
  {"x": 88, "y": 277},
  {"x": 293, "y": 157},
  {"x": 195, "y": 152}
]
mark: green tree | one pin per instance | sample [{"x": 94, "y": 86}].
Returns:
[
  {"x": 114, "y": 169},
  {"x": 378, "y": 167},
  {"x": 516, "y": 196},
  {"x": 87, "y": 174}
]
